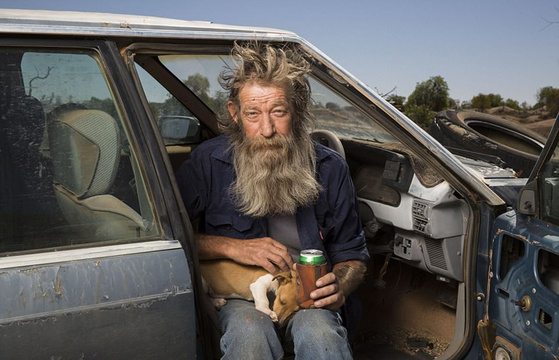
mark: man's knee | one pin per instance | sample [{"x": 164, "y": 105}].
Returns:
[
  {"x": 313, "y": 318},
  {"x": 246, "y": 330},
  {"x": 319, "y": 332}
]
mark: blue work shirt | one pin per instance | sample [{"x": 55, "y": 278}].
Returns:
[{"x": 332, "y": 224}]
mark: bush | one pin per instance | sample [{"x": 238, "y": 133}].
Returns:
[
  {"x": 549, "y": 96},
  {"x": 422, "y": 115}
]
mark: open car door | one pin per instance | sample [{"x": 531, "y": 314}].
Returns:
[{"x": 521, "y": 320}]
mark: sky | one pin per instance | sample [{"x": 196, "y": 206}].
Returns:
[{"x": 505, "y": 47}]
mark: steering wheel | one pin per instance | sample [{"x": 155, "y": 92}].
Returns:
[{"x": 329, "y": 139}]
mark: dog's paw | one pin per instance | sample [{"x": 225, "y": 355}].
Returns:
[
  {"x": 273, "y": 316},
  {"x": 219, "y": 302}
]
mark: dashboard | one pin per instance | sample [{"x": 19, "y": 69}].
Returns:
[{"x": 426, "y": 219}]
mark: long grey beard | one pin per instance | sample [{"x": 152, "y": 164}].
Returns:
[{"x": 274, "y": 181}]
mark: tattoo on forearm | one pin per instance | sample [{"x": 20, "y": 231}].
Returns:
[{"x": 350, "y": 275}]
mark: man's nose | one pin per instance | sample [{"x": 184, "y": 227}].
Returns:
[{"x": 267, "y": 128}]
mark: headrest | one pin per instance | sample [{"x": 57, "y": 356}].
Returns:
[{"x": 85, "y": 148}]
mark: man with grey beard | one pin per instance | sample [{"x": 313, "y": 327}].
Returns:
[{"x": 264, "y": 191}]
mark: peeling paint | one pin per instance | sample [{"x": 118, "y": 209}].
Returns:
[{"x": 58, "y": 286}]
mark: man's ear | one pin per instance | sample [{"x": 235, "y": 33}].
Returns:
[{"x": 232, "y": 110}]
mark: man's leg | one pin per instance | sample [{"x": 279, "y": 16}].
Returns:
[
  {"x": 318, "y": 334},
  {"x": 247, "y": 333}
]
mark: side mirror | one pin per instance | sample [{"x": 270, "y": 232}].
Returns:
[
  {"x": 527, "y": 200},
  {"x": 179, "y": 129}
]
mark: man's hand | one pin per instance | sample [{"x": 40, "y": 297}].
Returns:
[
  {"x": 334, "y": 287},
  {"x": 264, "y": 252}
]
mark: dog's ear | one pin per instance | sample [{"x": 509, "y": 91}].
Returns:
[{"x": 283, "y": 278}]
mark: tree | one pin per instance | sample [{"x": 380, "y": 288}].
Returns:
[
  {"x": 433, "y": 93},
  {"x": 396, "y": 101},
  {"x": 481, "y": 102},
  {"x": 200, "y": 85},
  {"x": 512, "y": 104},
  {"x": 486, "y": 101},
  {"x": 421, "y": 115},
  {"x": 549, "y": 96},
  {"x": 428, "y": 98},
  {"x": 107, "y": 105}
]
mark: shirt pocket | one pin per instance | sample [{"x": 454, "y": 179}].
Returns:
[
  {"x": 326, "y": 232},
  {"x": 325, "y": 225},
  {"x": 227, "y": 225}
]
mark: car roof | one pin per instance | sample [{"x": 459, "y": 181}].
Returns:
[{"x": 107, "y": 24}]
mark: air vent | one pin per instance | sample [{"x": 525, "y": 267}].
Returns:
[
  {"x": 436, "y": 253},
  {"x": 420, "y": 225},
  {"x": 420, "y": 209}
]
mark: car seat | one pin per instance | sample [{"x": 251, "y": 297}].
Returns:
[{"x": 85, "y": 148}]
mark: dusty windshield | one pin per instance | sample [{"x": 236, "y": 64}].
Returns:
[{"x": 200, "y": 73}]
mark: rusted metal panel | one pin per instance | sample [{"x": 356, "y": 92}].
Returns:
[{"x": 122, "y": 307}]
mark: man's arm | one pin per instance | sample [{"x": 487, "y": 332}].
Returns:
[
  {"x": 264, "y": 252},
  {"x": 334, "y": 287},
  {"x": 350, "y": 274}
]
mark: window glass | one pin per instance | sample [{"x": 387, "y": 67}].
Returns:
[
  {"x": 68, "y": 173},
  {"x": 549, "y": 189},
  {"x": 336, "y": 114},
  {"x": 172, "y": 117},
  {"x": 201, "y": 72}
]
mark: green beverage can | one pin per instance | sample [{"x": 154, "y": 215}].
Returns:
[
  {"x": 310, "y": 267},
  {"x": 311, "y": 257}
]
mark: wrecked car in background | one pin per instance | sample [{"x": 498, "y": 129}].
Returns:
[
  {"x": 500, "y": 150},
  {"x": 97, "y": 255}
]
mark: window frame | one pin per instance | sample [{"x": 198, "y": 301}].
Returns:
[{"x": 135, "y": 123}]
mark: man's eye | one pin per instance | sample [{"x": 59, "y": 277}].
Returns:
[
  {"x": 280, "y": 113},
  {"x": 251, "y": 114}
]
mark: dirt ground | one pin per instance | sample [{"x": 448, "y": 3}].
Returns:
[
  {"x": 538, "y": 121},
  {"x": 404, "y": 319}
]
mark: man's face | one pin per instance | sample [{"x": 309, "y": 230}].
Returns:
[
  {"x": 267, "y": 158},
  {"x": 264, "y": 111}
]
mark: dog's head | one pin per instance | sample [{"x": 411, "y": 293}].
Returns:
[{"x": 285, "y": 304}]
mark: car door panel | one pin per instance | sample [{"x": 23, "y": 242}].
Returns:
[
  {"x": 523, "y": 289},
  {"x": 139, "y": 292},
  {"x": 523, "y": 308}
]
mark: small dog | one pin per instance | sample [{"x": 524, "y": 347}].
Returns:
[{"x": 227, "y": 279}]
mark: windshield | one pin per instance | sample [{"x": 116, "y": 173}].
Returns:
[{"x": 332, "y": 111}]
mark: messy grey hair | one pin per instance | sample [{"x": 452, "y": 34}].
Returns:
[
  {"x": 288, "y": 173},
  {"x": 267, "y": 64}
]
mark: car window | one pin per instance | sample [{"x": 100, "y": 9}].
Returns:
[
  {"x": 549, "y": 189},
  {"x": 201, "y": 72},
  {"x": 69, "y": 174},
  {"x": 167, "y": 110}
]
